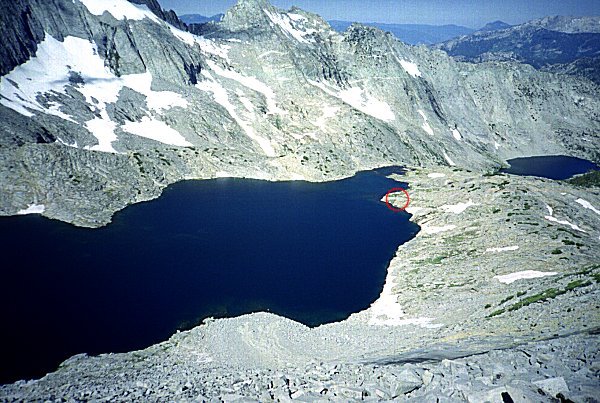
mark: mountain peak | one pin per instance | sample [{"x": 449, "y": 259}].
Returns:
[
  {"x": 253, "y": 3},
  {"x": 494, "y": 26},
  {"x": 246, "y": 14}
]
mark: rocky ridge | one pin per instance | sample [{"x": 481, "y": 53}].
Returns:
[
  {"x": 264, "y": 93},
  {"x": 566, "y": 45}
]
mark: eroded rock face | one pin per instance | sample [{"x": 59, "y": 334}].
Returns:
[{"x": 265, "y": 94}]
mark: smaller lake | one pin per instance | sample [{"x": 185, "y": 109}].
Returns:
[
  {"x": 551, "y": 167},
  {"x": 312, "y": 252}
]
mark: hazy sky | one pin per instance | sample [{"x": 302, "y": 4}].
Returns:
[{"x": 470, "y": 13}]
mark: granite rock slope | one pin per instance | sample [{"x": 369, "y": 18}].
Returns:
[{"x": 113, "y": 101}]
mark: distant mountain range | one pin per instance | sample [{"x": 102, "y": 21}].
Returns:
[
  {"x": 413, "y": 34},
  {"x": 200, "y": 19},
  {"x": 561, "y": 44}
]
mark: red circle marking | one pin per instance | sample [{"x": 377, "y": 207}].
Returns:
[{"x": 395, "y": 209}]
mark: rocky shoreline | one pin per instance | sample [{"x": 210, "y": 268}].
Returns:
[{"x": 496, "y": 296}]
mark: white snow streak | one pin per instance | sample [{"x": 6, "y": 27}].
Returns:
[
  {"x": 206, "y": 45},
  {"x": 527, "y": 274},
  {"x": 222, "y": 98},
  {"x": 425, "y": 126},
  {"x": 33, "y": 209},
  {"x": 448, "y": 160},
  {"x": 431, "y": 229},
  {"x": 156, "y": 130},
  {"x": 456, "y": 134},
  {"x": 563, "y": 222},
  {"x": 251, "y": 83},
  {"x": 457, "y": 208},
  {"x": 435, "y": 175},
  {"x": 359, "y": 99},
  {"x": 505, "y": 249},
  {"x": 586, "y": 204},
  {"x": 120, "y": 9},
  {"x": 411, "y": 68}
]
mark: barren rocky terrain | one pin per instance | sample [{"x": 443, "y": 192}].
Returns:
[
  {"x": 496, "y": 295},
  {"x": 496, "y": 299}
]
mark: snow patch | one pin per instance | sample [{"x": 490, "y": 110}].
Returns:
[
  {"x": 496, "y": 145},
  {"x": 586, "y": 204},
  {"x": 251, "y": 83},
  {"x": 456, "y": 134},
  {"x": 33, "y": 209},
  {"x": 359, "y": 99},
  {"x": 206, "y": 45},
  {"x": 563, "y": 222},
  {"x": 411, "y": 68},
  {"x": 49, "y": 71},
  {"x": 431, "y": 229},
  {"x": 103, "y": 128},
  {"x": 120, "y": 9},
  {"x": 156, "y": 100},
  {"x": 296, "y": 17},
  {"x": 435, "y": 175},
  {"x": 527, "y": 274},
  {"x": 156, "y": 130},
  {"x": 386, "y": 311},
  {"x": 366, "y": 103},
  {"x": 286, "y": 23},
  {"x": 505, "y": 249},
  {"x": 457, "y": 208},
  {"x": 425, "y": 125},
  {"x": 221, "y": 96},
  {"x": 448, "y": 160}
]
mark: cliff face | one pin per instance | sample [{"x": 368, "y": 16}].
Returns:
[{"x": 110, "y": 102}]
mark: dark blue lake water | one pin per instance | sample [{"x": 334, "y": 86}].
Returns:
[
  {"x": 311, "y": 252},
  {"x": 552, "y": 167}
]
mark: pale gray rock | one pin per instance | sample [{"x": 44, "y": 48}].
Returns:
[{"x": 553, "y": 386}]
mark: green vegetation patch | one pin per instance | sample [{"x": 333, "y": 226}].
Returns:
[
  {"x": 543, "y": 296},
  {"x": 590, "y": 179}
]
